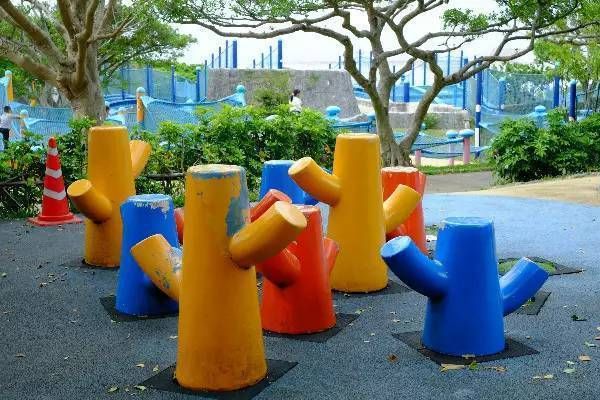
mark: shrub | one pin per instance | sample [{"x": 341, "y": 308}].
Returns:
[
  {"x": 431, "y": 121},
  {"x": 269, "y": 98},
  {"x": 524, "y": 152}
]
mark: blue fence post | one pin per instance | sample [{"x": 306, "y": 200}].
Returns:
[
  {"x": 330, "y": 66},
  {"x": 394, "y": 87},
  {"x": 198, "y": 83},
  {"x": 253, "y": 63},
  {"x": 360, "y": 61},
  {"x": 220, "y": 56},
  {"x": 262, "y": 60},
  {"x": 173, "y": 94},
  {"x": 128, "y": 78},
  {"x": 149, "y": 81},
  {"x": 279, "y": 54},
  {"x": 122, "y": 83},
  {"x": 448, "y": 64},
  {"x": 478, "y": 107},
  {"x": 339, "y": 62},
  {"x": 412, "y": 74},
  {"x": 501, "y": 93},
  {"x": 227, "y": 54},
  {"x": 205, "y": 94},
  {"x": 270, "y": 57},
  {"x": 556, "y": 92},
  {"x": 465, "y": 61},
  {"x": 406, "y": 91},
  {"x": 212, "y": 60},
  {"x": 424, "y": 73},
  {"x": 573, "y": 100},
  {"x": 234, "y": 55}
]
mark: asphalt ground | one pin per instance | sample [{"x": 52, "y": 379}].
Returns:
[{"x": 58, "y": 342}]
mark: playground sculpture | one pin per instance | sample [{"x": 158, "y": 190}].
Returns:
[
  {"x": 113, "y": 163},
  {"x": 143, "y": 216},
  {"x": 358, "y": 217},
  {"x": 296, "y": 291},
  {"x": 467, "y": 301},
  {"x": 414, "y": 226},
  {"x": 275, "y": 176},
  {"x": 220, "y": 343}
]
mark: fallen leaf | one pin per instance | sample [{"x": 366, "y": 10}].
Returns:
[
  {"x": 392, "y": 358},
  {"x": 527, "y": 337},
  {"x": 140, "y": 365},
  {"x": 140, "y": 387},
  {"x": 155, "y": 369},
  {"x": 66, "y": 358},
  {"x": 367, "y": 341},
  {"x": 19, "y": 355},
  {"x": 372, "y": 333},
  {"x": 113, "y": 389},
  {"x": 496, "y": 368},
  {"x": 451, "y": 367},
  {"x": 4, "y": 274},
  {"x": 358, "y": 312},
  {"x": 569, "y": 370},
  {"x": 588, "y": 344},
  {"x": 548, "y": 376},
  {"x": 576, "y": 317},
  {"x": 584, "y": 358},
  {"x": 395, "y": 320},
  {"x": 570, "y": 363},
  {"x": 173, "y": 337},
  {"x": 597, "y": 338},
  {"x": 473, "y": 366}
]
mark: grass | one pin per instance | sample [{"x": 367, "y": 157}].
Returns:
[
  {"x": 503, "y": 267},
  {"x": 456, "y": 169},
  {"x": 432, "y": 229}
]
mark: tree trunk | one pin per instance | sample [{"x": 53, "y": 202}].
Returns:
[
  {"x": 391, "y": 153},
  {"x": 89, "y": 102}
]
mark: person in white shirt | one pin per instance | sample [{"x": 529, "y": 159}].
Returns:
[
  {"x": 5, "y": 124},
  {"x": 295, "y": 102}
]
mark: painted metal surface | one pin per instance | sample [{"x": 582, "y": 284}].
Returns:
[
  {"x": 275, "y": 176},
  {"x": 414, "y": 226},
  {"x": 113, "y": 164},
  {"x": 143, "y": 216},
  {"x": 296, "y": 295},
  {"x": 467, "y": 301},
  {"x": 358, "y": 218}
]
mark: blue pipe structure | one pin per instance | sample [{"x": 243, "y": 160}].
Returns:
[
  {"x": 478, "y": 101},
  {"x": 556, "y": 92},
  {"x": 394, "y": 87},
  {"x": 406, "y": 91},
  {"x": 412, "y": 74},
  {"x": 275, "y": 176},
  {"x": 279, "y": 54},
  {"x": 234, "y": 55},
  {"x": 149, "y": 83},
  {"x": 339, "y": 62},
  {"x": 573, "y": 100},
  {"x": 220, "y": 56},
  {"x": 143, "y": 216},
  {"x": 424, "y": 73},
  {"x": 465, "y": 61},
  {"x": 122, "y": 73},
  {"x": 227, "y": 54},
  {"x": 501, "y": 93},
  {"x": 198, "y": 69},
  {"x": 467, "y": 300},
  {"x": 173, "y": 86},
  {"x": 359, "y": 60},
  {"x": 448, "y": 64}
]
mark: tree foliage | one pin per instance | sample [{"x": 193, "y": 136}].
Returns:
[{"x": 515, "y": 21}]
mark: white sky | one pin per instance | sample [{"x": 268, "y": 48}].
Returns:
[{"x": 311, "y": 51}]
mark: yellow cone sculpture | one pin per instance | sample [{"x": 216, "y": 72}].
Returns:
[
  {"x": 220, "y": 335},
  {"x": 113, "y": 163},
  {"x": 358, "y": 216}
]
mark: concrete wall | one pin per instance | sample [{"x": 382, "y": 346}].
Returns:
[
  {"x": 319, "y": 89},
  {"x": 401, "y": 114}
]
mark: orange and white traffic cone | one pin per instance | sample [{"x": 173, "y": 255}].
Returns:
[{"x": 55, "y": 206}]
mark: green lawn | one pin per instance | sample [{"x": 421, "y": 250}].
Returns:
[
  {"x": 475, "y": 166},
  {"x": 506, "y": 265}
]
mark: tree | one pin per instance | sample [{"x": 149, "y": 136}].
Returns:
[
  {"x": 514, "y": 21},
  {"x": 68, "y": 43},
  {"x": 576, "y": 56}
]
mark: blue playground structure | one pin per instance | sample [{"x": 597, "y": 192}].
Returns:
[
  {"x": 467, "y": 300},
  {"x": 143, "y": 216}
]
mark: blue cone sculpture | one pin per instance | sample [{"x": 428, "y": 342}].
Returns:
[
  {"x": 143, "y": 216},
  {"x": 275, "y": 176},
  {"x": 467, "y": 300}
]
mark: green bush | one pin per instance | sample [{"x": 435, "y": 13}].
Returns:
[
  {"x": 269, "y": 98},
  {"x": 431, "y": 121},
  {"x": 524, "y": 152}
]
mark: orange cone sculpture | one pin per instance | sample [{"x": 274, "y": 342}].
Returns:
[
  {"x": 296, "y": 291},
  {"x": 414, "y": 226},
  {"x": 220, "y": 345},
  {"x": 55, "y": 206}
]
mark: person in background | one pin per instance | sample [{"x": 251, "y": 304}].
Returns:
[
  {"x": 5, "y": 124},
  {"x": 295, "y": 102}
]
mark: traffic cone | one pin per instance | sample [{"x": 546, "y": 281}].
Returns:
[{"x": 55, "y": 206}]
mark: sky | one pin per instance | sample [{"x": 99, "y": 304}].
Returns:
[{"x": 311, "y": 51}]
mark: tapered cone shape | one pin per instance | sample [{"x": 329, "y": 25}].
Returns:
[{"x": 55, "y": 206}]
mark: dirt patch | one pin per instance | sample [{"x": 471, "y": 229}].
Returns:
[
  {"x": 450, "y": 183},
  {"x": 581, "y": 189}
]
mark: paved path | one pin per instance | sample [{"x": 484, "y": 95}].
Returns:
[{"x": 58, "y": 342}]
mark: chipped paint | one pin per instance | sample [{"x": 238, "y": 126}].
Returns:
[{"x": 238, "y": 212}]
